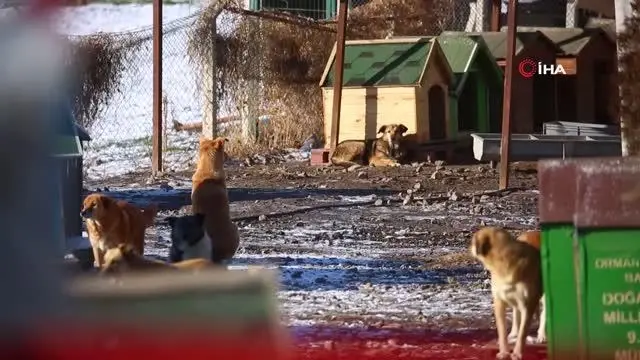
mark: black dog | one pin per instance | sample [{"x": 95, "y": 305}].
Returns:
[{"x": 188, "y": 238}]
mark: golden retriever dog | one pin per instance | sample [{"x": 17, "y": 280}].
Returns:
[
  {"x": 532, "y": 238},
  {"x": 112, "y": 222},
  {"x": 125, "y": 258},
  {"x": 516, "y": 281},
  {"x": 209, "y": 197},
  {"x": 383, "y": 151}
]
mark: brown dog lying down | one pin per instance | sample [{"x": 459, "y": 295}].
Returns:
[
  {"x": 532, "y": 238},
  {"x": 383, "y": 151},
  {"x": 112, "y": 222},
  {"x": 124, "y": 258},
  {"x": 516, "y": 281}
]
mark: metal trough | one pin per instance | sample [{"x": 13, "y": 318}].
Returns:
[
  {"x": 577, "y": 128},
  {"x": 532, "y": 147}
]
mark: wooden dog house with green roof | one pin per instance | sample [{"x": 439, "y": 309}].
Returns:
[
  {"x": 589, "y": 91},
  {"x": 533, "y": 98},
  {"x": 390, "y": 81},
  {"x": 476, "y": 96}
]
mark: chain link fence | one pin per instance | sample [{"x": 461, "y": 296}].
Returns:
[{"x": 122, "y": 128}]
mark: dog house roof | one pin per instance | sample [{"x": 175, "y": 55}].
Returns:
[
  {"x": 386, "y": 62},
  {"x": 571, "y": 41},
  {"x": 465, "y": 53},
  {"x": 496, "y": 41}
]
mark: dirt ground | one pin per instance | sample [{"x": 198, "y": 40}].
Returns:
[{"x": 371, "y": 260}]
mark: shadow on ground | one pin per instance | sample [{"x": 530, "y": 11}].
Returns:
[
  {"x": 174, "y": 199},
  {"x": 334, "y": 273}
]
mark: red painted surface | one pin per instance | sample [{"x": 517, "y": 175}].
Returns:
[
  {"x": 348, "y": 344},
  {"x": 309, "y": 343}
]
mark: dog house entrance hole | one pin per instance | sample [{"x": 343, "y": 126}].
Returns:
[
  {"x": 601, "y": 74},
  {"x": 437, "y": 115},
  {"x": 468, "y": 105}
]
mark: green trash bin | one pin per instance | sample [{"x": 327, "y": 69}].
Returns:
[
  {"x": 556, "y": 209},
  {"x": 607, "y": 223},
  {"x": 590, "y": 220}
]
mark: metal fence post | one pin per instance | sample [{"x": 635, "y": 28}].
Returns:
[
  {"x": 505, "y": 143},
  {"x": 339, "y": 68},
  {"x": 156, "y": 152}
]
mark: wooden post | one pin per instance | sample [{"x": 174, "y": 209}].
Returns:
[
  {"x": 156, "y": 152},
  {"x": 210, "y": 89},
  {"x": 506, "y": 104},
  {"x": 338, "y": 74},
  {"x": 495, "y": 15}
]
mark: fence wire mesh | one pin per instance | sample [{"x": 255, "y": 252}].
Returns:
[
  {"x": 121, "y": 130},
  {"x": 268, "y": 63}
]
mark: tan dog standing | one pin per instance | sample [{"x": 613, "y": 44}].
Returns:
[
  {"x": 532, "y": 238},
  {"x": 209, "y": 197},
  {"x": 516, "y": 281},
  {"x": 112, "y": 222},
  {"x": 383, "y": 151},
  {"x": 124, "y": 258}
]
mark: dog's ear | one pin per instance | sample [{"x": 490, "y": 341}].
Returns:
[
  {"x": 402, "y": 129},
  {"x": 203, "y": 140},
  {"x": 382, "y": 129},
  {"x": 484, "y": 248},
  {"x": 105, "y": 202},
  {"x": 199, "y": 219},
  {"x": 219, "y": 142}
]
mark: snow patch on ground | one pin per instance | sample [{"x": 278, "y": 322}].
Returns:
[{"x": 330, "y": 271}]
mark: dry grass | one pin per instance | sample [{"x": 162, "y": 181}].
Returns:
[
  {"x": 100, "y": 61},
  {"x": 630, "y": 80}
]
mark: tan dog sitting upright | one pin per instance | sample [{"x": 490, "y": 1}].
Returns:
[
  {"x": 124, "y": 258},
  {"x": 532, "y": 238},
  {"x": 516, "y": 281},
  {"x": 383, "y": 151},
  {"x": 209, "y": 197},
  {"x": 112, "y": 222}
]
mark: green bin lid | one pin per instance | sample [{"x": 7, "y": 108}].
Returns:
[{"x": 66, "y": 141}]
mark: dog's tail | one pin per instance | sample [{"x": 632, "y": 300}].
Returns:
[{"x": 149, "y": 213}]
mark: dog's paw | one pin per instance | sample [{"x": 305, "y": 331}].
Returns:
[
  {"x": 515, "y": 356},
  {"x": 503, "y": 356},
  {"x": 540, "y": 339}
]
